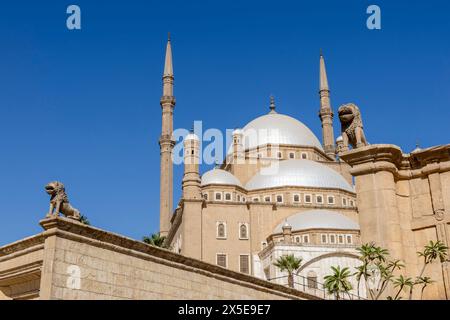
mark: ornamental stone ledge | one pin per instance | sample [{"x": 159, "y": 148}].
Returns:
[
  {"x": 66, "y": 228},
  {"x": 388, "y": 157}
]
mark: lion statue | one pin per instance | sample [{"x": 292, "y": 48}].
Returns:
[
  {"x": 351, "y": 127},
  {"x": 59, "y": 201}
]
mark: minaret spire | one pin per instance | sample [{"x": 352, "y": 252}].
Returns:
[
  {"x": 168, "y": 68},
  {"x": 166, "y": 144},
  {"x": 326, "y": 113}
]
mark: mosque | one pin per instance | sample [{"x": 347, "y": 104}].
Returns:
[{"x": 279, "y": 191}]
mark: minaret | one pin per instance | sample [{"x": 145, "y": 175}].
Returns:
[
  {"x": 166, "y": 144},
  {"x": 191, "y": 177},
  {"x": 238, "y": 147},
  {"x": 326, "y": 113}
]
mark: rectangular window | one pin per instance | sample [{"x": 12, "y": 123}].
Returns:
[
  {"x": 238, "y": 197},
  {"x": 205, "y": 196},
  {"x": 218, "y": 196},
  {"x": 291, "y": 155},
  {"x": 280, "y": 155},
  {"x": 221, "y": 260},
  {"x": 330, "y": 200},
  {"x": 324, "y": 238},
  {"x": 344, "y": 202},
  {"x": 227, "y": 196},
  {"x": 308, "y": 198},
  {"x": 349, "y": 239},
  {"x": 332, "y": 238},
  {"x": 341, "y": 239},
  {"x": 352, "y": 204},
  {"x": 267, "y": 199},
  {"x": 312, "y": 282},
  {"x": 255, "y": 199},
  {"x": 304, "y": 155},
  {"x": 297, "y": 239},
  {"x": 279, "y": 198},
  {"x": 305, "y": 238},
  {"x": 319, "y": 199},
  {"x": 296, "y": 198},
  {"x": 244, "y": 266}
]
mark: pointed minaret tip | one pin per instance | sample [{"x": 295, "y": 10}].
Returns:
[
  {"x": 168, "y": 67},
  {"x": 323, "y": 74}
]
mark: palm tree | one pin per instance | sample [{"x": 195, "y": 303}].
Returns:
[
  {"x": 361, "y": 272},
  {"x": 402, "y": 282},
  {"x": 373, "y": 263},
  {"x": 290, "y": 264},
  {"x": 432, "y": 251},
  {"x": 85, "y": 220},
  {"x": 155, "y": 240},
  {"x": 337, "y": 282},
  {"x": 424, "y": 281}
]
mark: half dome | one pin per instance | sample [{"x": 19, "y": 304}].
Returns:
[
  {"x": 299, "y": 173},
  {"x": 276, "y": 129},
  {"x": 219, "y": 176},
  {"x": 318, "y": 219}
]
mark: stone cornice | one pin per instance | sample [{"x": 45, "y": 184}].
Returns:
[
  {"x": 29, "y": 244},
  {"x": 386, "y": 157},
  {"x": 73, "y": 230}
]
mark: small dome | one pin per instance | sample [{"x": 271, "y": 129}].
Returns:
[
  {"x": 237, "y": 131},
  {"x": 339, "y": 139},
  {"x": 300, "y": 173},
  {"x": 276, "y": 129},
  {"x": 191, "y": 136},
  {"x": 318, "y": 219},
  {"x": 219, "y": 176}
]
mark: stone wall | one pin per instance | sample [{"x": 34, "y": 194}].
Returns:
[
  {"x": 73, "y": 261},
  {"x": 404, "y": 203}
]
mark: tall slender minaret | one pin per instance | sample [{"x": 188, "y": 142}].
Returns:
[
  {"x": 166, "y": 144},
  {"x": 326, "y": 113}
]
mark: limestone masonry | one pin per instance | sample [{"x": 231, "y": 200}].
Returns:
[{"x": 279, "y": 191}]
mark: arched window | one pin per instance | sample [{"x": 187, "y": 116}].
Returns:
[
  {"x": 243, "y": 234},
  {"x": 312, "y": 280},
  {"x": 221, "y": 233}
]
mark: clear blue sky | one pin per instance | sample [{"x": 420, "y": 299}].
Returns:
[{"x": 82, "y": 107}]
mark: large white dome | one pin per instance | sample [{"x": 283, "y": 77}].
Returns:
[
  {"x": 219, "y": 176},
  {"x": 275, "y": 128},
  {"x": 299, "y": 173},
  {"x": 318, "y": 219}
]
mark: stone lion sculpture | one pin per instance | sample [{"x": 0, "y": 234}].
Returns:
[
  {"x": 351, "y": 127},
  {"x": 59, "y": 203}
]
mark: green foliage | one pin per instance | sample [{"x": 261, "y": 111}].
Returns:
[
  {"x": 378, "y": 270},
  {"x": 85, "y": 220},
  {"x": 337, "y": 282},
  {"x": 155, "y": 240},
  {"x": 290, "y": 264},
  {"x": 433, "y": 251}
]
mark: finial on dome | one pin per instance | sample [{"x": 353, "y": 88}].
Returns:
[
  {"x": 272, "y": 104},
  {"x": 321, "y": 53},
  {"x": 418, "y": 148},
  {"x": 168, "y": 36}
]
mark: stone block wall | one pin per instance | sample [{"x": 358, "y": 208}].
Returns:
[{"x": 82, "y": 262}]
